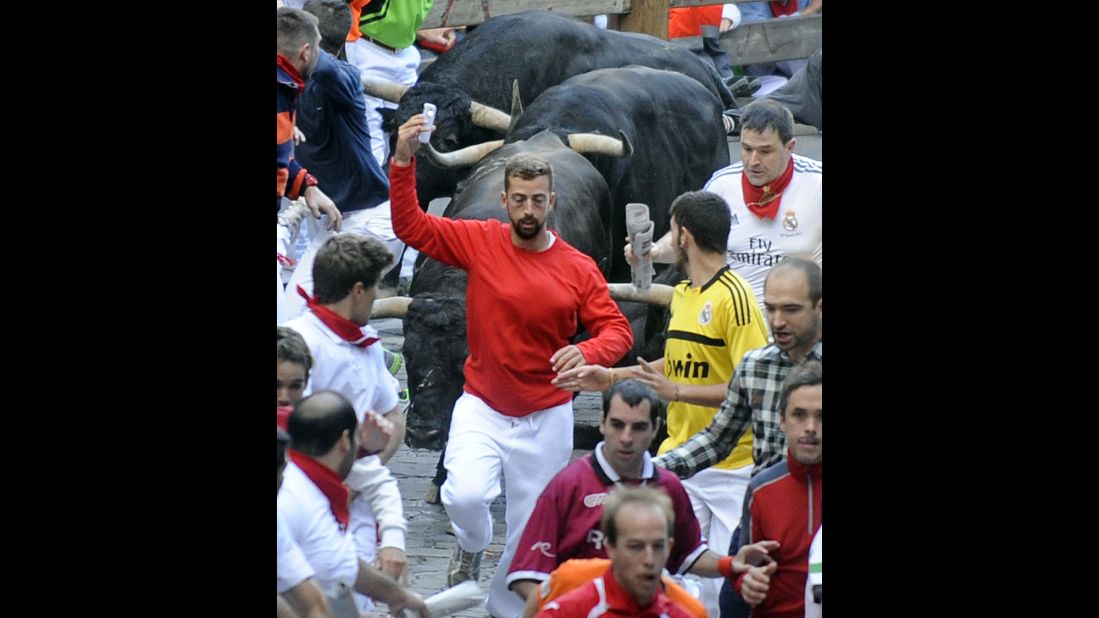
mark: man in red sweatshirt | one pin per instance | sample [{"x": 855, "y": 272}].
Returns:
[
  {"x": 527, "y": 291},
  {"x": 784, "y": 501}
]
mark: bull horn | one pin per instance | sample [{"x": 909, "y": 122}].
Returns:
[
  {"x": 383, "y": 89},
  {"x": 516, "y": 105},
  {"x": 657, "y": 294},
  {"x": 465, "y": 157},
  {"x": 393, "y": 307},
  {"x": 593, "y": 143},
  {"x": 489, "y": 117}
]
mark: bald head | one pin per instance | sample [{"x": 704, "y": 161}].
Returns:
[
  {"x": 319, "y": 420},
  {"x": 807, "y": 269}
]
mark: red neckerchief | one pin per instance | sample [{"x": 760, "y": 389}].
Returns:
[
  {"x": 284, "y": 260},
  {"x": 284, "y": 63},
  {"x": 784, "y": 7},
  {"x": 330, "y": 485},
  {"x": 282, "y": 416},
  {"x": 764, "y": 201},
  {"x": 346, "y": 329}
]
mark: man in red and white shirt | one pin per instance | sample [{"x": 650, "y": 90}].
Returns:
[
  {"x": 511, "y": 419},
  {"x": 775, "y": 197},
  {"x": 639, "y": 524}
]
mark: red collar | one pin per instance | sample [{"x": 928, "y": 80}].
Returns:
[
  {"x": 344, "y": 328},
  {"x": 284, "y": 63},
  {"x": 328, "y": 482},
  {"x": 800, "y": 470},
  {"x": 764, "y": 201},
  {"x": 282, "y": 416}
]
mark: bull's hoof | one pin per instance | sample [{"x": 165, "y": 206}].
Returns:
[
  {"x": 430, "y": 439},
  {"x": 432, "y": 495}
]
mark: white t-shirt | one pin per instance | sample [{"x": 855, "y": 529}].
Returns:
[
  {"x": 358, "y": 373},
  {"x": 310, "y": 523},
  {"x": 755, "y": 244},
  {"x": 292, "y": 568}
]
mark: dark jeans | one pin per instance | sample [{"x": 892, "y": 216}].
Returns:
[{"x": 732, "y": 606}]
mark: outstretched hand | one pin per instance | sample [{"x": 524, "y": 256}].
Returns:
[
  {"x": 583, "y": 378},
  {"x": 408, "y": 139},
  {"x": 753, "y": 554},
  {"x": 374, "y": 432},
  {"x": 566, "y": 358},
  {"x": 646, "y": 373},
  {"x": 756, "y": 583}
]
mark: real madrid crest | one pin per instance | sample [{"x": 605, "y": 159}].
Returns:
[
  {"x": 707, "y": 314},
  {"x": 790, "y": 221}
]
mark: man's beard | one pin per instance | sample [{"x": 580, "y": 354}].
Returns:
[
  {"x": 517, "y": 226},
  {"x": 681, "y": 260}
]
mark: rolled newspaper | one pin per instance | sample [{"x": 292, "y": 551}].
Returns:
[
  {"x": 640, "y": 230},
  {"x": 451, "y": 601}
]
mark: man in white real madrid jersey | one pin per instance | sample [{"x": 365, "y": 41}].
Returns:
[
  {"x": 775, "y": 198},
  {"x": 715, "y": 320}
]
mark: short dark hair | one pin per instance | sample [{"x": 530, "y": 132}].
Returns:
[
  {"x": 633, "y": 393},
  {"x": 527, "y": 167},
  {"x": 647, "y": 496},
  {"x": 810, "y": 269},
  {"x": 706, "y": 214},
  {"x": 319, "y": 420},
  {"x": 290, "y": 347},
  {"x": 763, "y": 114},
  {"x": 333, "y": 21},
  {"x": 808, "y": 373},
  {"x": 294, "y": 28},
  {"x": 344, "y": 260}
]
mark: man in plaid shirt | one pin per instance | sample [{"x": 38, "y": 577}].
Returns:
[{"x": 792, "y": 297}]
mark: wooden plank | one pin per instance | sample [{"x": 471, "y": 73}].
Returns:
[
  {"x": 647, "y": 17},
  {"x": 471, "y": 12},
  {"x": 774, "y": 39}
]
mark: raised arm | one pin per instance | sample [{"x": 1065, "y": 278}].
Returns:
[{"x": 450, "y": 241}]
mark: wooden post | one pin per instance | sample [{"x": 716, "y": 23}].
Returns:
[{"x": 647, "y": 17}]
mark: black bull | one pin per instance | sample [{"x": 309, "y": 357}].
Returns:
[
  {"x": 673, "y": 123},
  {"x": 538, "y": 49}
]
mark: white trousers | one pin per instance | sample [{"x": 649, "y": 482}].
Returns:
[
  {"x": 374, "y": 222},
  {"x": 379, "y": 63},
  {"x": 282, "y": 241},
  {"x": 717, "y": 498},
  {"x": 484, "y": 444},
  {"x": 364, "y": 529}
]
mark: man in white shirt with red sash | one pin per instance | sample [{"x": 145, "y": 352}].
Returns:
[
  {"x": 313, "y": 504},
  {"x": 348, "y": 359}
]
